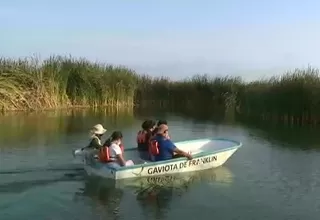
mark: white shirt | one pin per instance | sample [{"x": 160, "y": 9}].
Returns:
[{"x": 114, "y": 150}]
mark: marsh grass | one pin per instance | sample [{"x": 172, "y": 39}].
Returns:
[
  {"x": 291, "y": 98},
  {"x": 64, "y": 82},
  {"x": 199, "y": 94},
  {"x": 29, "y": 84}
]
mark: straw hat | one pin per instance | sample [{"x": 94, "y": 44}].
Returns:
[
  {"x": 98, "y": 129},
  {"x": 162, "y": 128}
]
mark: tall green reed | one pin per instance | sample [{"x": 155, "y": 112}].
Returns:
[
  {"x": 62, "y": 82},
  {"x": 28, "y": 84}
]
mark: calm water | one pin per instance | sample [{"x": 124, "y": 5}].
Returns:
[{"x": 275, "y": 175}]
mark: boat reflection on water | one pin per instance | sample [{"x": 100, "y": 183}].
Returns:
[
  {"x": 217, "y": 175},
  {"x": 153, "y": 194},
  {"x": 156, "y": 193},
  {"x": 103, "y": 195}
]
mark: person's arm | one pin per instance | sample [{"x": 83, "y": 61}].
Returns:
[
  {"x": 176, "y": 150},
  {"x": 183, "y": 153},
  {"x": 94, "y": 144},
  {"x": 119, "y": 155},
  {"x": 121, "y": 160}
]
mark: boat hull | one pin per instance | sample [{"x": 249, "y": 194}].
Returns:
[{"x": 201, "y": 161}]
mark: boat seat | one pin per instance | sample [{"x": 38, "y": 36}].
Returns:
[{"x": 141, "y": 161}]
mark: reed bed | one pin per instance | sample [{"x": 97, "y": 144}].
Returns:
[
  {"x": 58, "y": 82},
  {"x": 63, "y": 82},
  {"x": 200, "y": 94},
  {"x": 292, "y": 98}
]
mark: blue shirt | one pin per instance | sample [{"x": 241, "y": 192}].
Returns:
[{"x": 166, "y": 148}]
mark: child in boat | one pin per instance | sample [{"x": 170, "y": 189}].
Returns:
[
  {"x": 116, "y": 153},
  {"x": 166, "y": 148},
  {"x": 143, "y": 138}
]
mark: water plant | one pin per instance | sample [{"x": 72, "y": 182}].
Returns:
[
  {"x": 63, "y": 82},
  {"x": 59, "y": 82}
]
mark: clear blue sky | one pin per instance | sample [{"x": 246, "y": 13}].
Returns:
[{"x": 175, "y": 38}]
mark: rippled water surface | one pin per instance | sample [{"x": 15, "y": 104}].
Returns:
[{"x": 275, "y": 175}]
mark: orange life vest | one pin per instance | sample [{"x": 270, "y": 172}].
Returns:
[
  {"x": 105, "y": 152},
  {"x": 153, "y": 147},
  {"x": 141, "y": 137}
]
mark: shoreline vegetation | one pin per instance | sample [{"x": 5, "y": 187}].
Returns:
[{"x": 65, "y": 82}]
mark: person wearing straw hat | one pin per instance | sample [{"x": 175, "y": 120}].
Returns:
[
  {"x": 167, "y": 149},
  {"x": 96, "y": 133}
]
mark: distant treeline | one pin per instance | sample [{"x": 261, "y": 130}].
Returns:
[{"x": 58, "y": 82}]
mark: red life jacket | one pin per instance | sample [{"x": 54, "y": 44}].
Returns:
[
  {"x": 141, "y": 137},
  {"x": 153, "y": 148},
  {"x": 105, "y": 152}
]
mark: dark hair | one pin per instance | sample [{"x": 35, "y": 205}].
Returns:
[
  {"x": 148, "y": 124},
  {"x": 144, "y": 124},
  {"x": 162, "y": 122},
  {"x": 153, "y": 123},
  {"x": 116, "y": 135}
]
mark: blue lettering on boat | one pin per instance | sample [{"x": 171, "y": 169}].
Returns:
[
  {"x": 184, "y": 164},
  {"x": 162, "y": 169},
  {"x": 196, "y": 162}
]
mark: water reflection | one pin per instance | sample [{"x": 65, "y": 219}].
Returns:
[
  {"x": 19, "y": 128},
  {"x": 294, "y": 137},
  {"x": 153, "y": 194},
  {"x": 22, "y": 180},
  {"x": 102, "y": 194}
]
